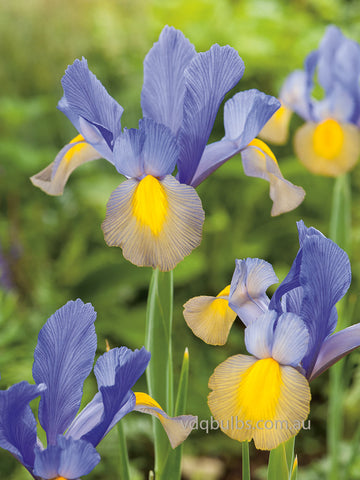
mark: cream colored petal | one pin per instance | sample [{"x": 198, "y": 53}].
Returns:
[
  {"x": 276, "y": 130},
  {"x": 341, "y": 163},
  {"x": 210, "y": 318},
  {"x": 176, "y": 428},
  {"x": 156, "y": 223},
  {"x": 53, "y": 178},
  {"x": 259, "y": 400},
  {"x": 259, "y": 161}
]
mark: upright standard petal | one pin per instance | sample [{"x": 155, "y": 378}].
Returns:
[
  {"x": 251, "y": 278},
  {"x": 63, "y": 358},
  {"x": 244, "y": 116},
  {"x": 258, "y": 399},
  {"x": 53, "y": 178},
  {"x": 17, "y": 422},
  {"x": 68, "y": 459},
  {"x": 116, "y": 372},
  {"x": 321, "y": 275},
  {"x": 176, "y": 428},
  {"x": 209, "y": 77},
  {"x": 93, "y": 112},
  {"x": 156, "y": 222},
  {"x": 259, "y": 161},
  {"x": 150, "y": 150},
  {"x": 210, "y": 318},
  {"x": 162, "y": 96},
  {"x": 328, "y": 148}
]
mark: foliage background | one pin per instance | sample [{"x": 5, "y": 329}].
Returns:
[{"x": 52, "y": 248}]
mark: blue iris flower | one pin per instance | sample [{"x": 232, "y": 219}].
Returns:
[
  {"x": 290, "y": 338},
  {"x": 63, "y": 358},
  {"x": 328, "y": 143},
  {"x": 156, "y": 217}
]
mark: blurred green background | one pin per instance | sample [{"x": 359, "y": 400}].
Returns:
[{"x": 52, "y": 248}]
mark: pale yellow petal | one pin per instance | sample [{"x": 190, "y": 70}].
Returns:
[
  {"x": 328, "y": 148},
  {"x": 53, "y": 178},
  {"x": 210, "y": 318},
  {"x": 156, "y": 222},
  {"x": 259, "y": 400},
  {"x": 259, "y": 161},
  {"x": 176, "y": 428},
  {"x": 276, "y": 130}
]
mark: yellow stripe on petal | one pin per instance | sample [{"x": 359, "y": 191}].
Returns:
[
  {"x": 276, "y": 130},
  {"x": 176, "y": 428},
  {"x": 156, "y": 222},
  {"x": 210, "y": 318},
  {"x": 328, "y": 148},
  {"x": 259, "y": 161},
  {"x": 258, "y": 399},
  {"x": 53, "y": 178},
  {"x": 150, "y": 205}
]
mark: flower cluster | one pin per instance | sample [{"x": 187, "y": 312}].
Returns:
[
  {"x": 63, "y": 358},
  {"x": 329, "y": 142},
  {"x": 290, "y": 338},
  {"x": 154, "y": 216}
]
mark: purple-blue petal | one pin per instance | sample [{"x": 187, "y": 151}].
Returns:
[
  {"x": 151, "y": 150},
  {"x": 17, "y": 422},
  {"x": 63, "y": 358},
  {"x": 209, "y": 77},
  {"x": 116, "y": 372},
  {"x": 68, "y": 458},
  {"x": 93, "y": 112},
  {"x": 322, "y": 271},
  {"x": 162, "y": 96},
  {"x": 335, "y": 347},
  {"x": 250, "y": 280},
  {"x": 245, "y": 114}
]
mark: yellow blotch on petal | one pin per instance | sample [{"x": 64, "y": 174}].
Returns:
[
  {"x": 258, "y": 399},
  {"x": 176, "y": 428},
  {"x": 328, "y": 148},
  {"x": 150, "y": 205},
  {"x": 60, "y": 478},
  {"x": 155, "y": 222},
  {"x": 76, "y": 149},
  {"x": 264, "y": 149},
  {"x": 276, "y": 130},
  {"x": 259, "y": 161},
  {"x": 210, "y": 318},
  {"x": 53, "y": 178}
]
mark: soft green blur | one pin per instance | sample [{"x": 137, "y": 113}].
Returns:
[{"x": 54, "y": 245}]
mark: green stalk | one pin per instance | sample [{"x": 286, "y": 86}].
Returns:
[
  {"x": 245, "y": 461},
  {"x": 340, "y": 233},
  {"x": 172, "y": 468},
  {"x": 123, "y": 453},
  {"x": 159, "y": 373}
]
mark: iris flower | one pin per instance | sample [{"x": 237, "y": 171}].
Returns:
[
  {"x": 329, "y": 142},
  {"x": 266, "y": 396},
  {"x": 63, "y": 358},
  {"x": 156, "y": 217}
]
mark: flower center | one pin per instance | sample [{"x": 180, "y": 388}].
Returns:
[
  {"x": 328, "y": 139},
  {"x": 150, "y": 204}
]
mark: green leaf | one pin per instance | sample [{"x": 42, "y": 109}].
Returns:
[
  {"x": 124, "y": 468},
  {"x": 278, "y": 466}
]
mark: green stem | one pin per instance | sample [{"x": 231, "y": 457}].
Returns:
[
  {"x": 159, "y": 373},
  {"x": 340, "y": 233},
  {"x": 123, "y": 453},
  {"x": 245, "y": 461}
]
